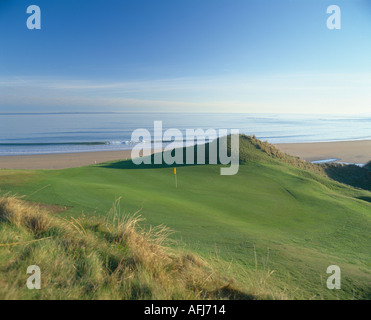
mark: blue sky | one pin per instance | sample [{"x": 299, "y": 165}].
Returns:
[{"x": 185, "y": 55}]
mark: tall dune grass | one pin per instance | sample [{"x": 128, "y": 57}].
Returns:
[{"x": 111, "y": 258}]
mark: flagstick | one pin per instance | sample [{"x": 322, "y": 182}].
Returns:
[{"x": 176, "y": 181}]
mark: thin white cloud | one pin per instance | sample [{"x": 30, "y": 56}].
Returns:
[{"x": 310, "y": 93}]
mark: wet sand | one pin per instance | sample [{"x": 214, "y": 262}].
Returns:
[
  {"x": 347, "y": 151},
  {"x": 344, "y": 151}
]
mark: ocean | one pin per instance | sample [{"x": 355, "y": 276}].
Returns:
[{"x": 28, "y": 133}]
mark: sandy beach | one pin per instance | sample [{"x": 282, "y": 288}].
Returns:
[
  {"x": 344, "y": 151},
  {"x": 61, "y": 160},
  {"x": 347, "y": 151}
]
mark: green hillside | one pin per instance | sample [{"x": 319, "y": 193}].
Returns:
[{"x": 278, "y": 216}]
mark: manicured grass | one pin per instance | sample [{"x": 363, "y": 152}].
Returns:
[{"x": 270, "y": 214}]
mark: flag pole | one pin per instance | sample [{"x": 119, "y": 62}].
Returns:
[{"x": 176, "y": 179}]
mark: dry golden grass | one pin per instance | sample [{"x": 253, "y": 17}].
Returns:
[
  {"x": 114, "y": 258},
  {"x": 15, "y": 211}
]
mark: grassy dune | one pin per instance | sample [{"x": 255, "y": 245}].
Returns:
[
  {"x": 274, "y": 228},
  {"x": 110, "y": 258}
]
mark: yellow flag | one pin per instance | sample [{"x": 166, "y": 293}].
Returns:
[{"x": 174, "y": 170}]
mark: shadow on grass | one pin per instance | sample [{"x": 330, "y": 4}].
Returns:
[
  {"x": 368, "y": 199},
  {"x": 233, "y": 294},
  {"x": 129, "y": 164},
  {"x": 352, "y": 175}
]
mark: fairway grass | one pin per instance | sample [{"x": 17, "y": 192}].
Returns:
[{"x": 272, "y": 218}]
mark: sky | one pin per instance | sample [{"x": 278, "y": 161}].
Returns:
[{"x": 258, "y": 56}]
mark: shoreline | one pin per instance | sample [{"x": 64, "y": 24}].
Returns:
[{"x": 357, "y": 152}]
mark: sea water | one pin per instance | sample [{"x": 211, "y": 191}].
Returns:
[{"x": 27, "y": 133}]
